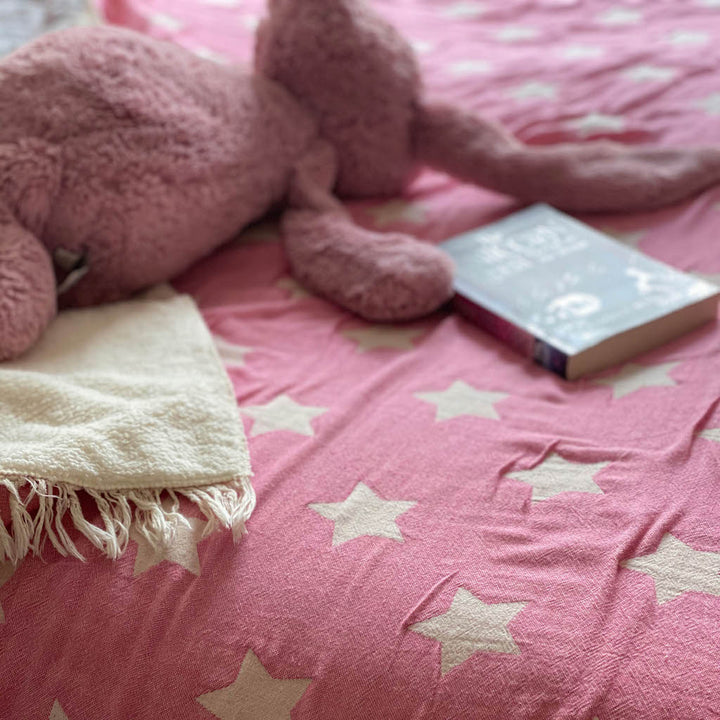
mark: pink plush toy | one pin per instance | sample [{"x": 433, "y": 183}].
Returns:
[{"x": 124, "y": 160}]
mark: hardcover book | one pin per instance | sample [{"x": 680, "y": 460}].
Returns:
[{"x": 568, "y": 296}]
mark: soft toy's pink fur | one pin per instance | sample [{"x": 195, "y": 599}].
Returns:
[{"x": 145, "y": 158}]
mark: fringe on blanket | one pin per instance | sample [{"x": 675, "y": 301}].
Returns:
[{"x": 153, "y": 513}]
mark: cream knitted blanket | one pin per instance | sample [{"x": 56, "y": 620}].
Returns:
[{"x": 129, "y": 403}]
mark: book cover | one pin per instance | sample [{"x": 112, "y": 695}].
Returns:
[{"x": 568, "y": 296}]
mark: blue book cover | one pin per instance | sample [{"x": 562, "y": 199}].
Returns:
[{"x": 556, "y": 289}]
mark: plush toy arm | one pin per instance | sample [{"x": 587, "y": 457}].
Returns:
[
  {"x": 27, "y": 288},
  {"x": 379, "y": 276},
  {"x": 592, "y": 177}
]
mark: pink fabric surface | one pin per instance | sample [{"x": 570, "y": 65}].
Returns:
[{"x": 453, "y": 585}]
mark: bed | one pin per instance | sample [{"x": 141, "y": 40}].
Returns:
[{"x": 443, "y": 530}]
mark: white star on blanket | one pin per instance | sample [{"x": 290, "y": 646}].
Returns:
[
  {"x": 363, "y": 513},
  {"x": 385, "y": 337},
  {"x": 709, "y": 434},
  {"x": 251, "y": 22},
  {"x": 593, "y": 123},
  {"x": 470, "y": 67},
  {"x": 531, "y": 90},
  {"x": 676, "y": 568},
  {"x": 282, "y": 413},
  {"x": 231, "y": 354},
  {"x": 463, "y": 399},
  {"x": 634, "y": 377},
  {"x": 57, "y": 713},
  {"x": 556, "y": 475},
  {"x": 166, "y": 22},
  {"x": 182, "y": 550},
  {"x": 6, "y": 572},
  {"x": 620, "y": 16},
  {"x": 396, "y": 211},
  {"x": 466, "y": 9},
  {"x": 422, "y": 47},
  {"x": 208, "y": 54},
  {"x": 649, "y": 73},
  {"x": 710, "y": 104},
  {"x": 255, "y": 694},
  {"x": 513, "y": 33},
  {"x": 296, "y": 290},
  {"x": 688, "y": 37},
  {"x": 470, "y": 626},
  {"x": 581, "y": 52}
]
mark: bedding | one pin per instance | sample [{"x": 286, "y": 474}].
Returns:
[
  {"x": 91, "y": 414},
  {"x": 443, "y": 530}
]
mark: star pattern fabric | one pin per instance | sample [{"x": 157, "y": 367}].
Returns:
[
  {"x": 633, "y": 377},
  {"x": 676, "y": 568},
  {"x": 57, "y": 713},
  {"x": 710, "y": 104},
  {"x": 232, "y": 355},
  {"x": 422, "y": 47},
  {"x": 620, "y": 16},
  {"x": 296, "y": 290},
  {"x": 593, "y": 123},
  {"x": 581, "y": 52},
  {"x": 255, "y": 694},
  {"x": 649, "y": 73},
  {"x": 182, "y": 549},
  {"x": 532, "y": 90},
  {"x": 470, "y": 67},
  {"x": 463, "y": 399},
  {"x": 166, "y": 21},
  {"x": 397, "y": 211},
  {"x": 688, "y": 37},
  {"x": 223, "y": 3},
  {"x": 282, "y": 413},
  {"x": 209, "y": 54},
  {"x": 7, "y": 570},
  {"x": 711, "y": 434},
  {"x": 556, "y": 475},
  {"x": 515, "y": 33},
  {"x": 383, "y": 337},
  {"x": 251, "y": 22},
  {"x": 435, "y": 535},
  {"x": 363, "y": 513},
  {"x": 471, "y": 626},
  {"x": 467, "y": 9}
]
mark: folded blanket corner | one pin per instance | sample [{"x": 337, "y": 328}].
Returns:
[{"x": 115, "y": 416}]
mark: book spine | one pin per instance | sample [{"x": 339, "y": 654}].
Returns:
[{"x": 515, "y": 337}]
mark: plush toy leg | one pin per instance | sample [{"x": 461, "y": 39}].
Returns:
[
  {"x": 27, "y": 289},
  {"x": 381, "y": 277},
  {"x": 592, "y": 177}
]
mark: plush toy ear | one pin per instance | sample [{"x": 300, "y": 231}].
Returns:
[
  {"x": 357, "y": 76},
  {"x": 27, "y": 289},
  {"x": 597, "y": 176}
]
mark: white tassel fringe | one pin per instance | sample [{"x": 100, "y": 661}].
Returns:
[{"x": 224, "y": 506}]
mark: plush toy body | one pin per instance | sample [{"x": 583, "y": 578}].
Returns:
[{"x": 129, "y": 159}]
